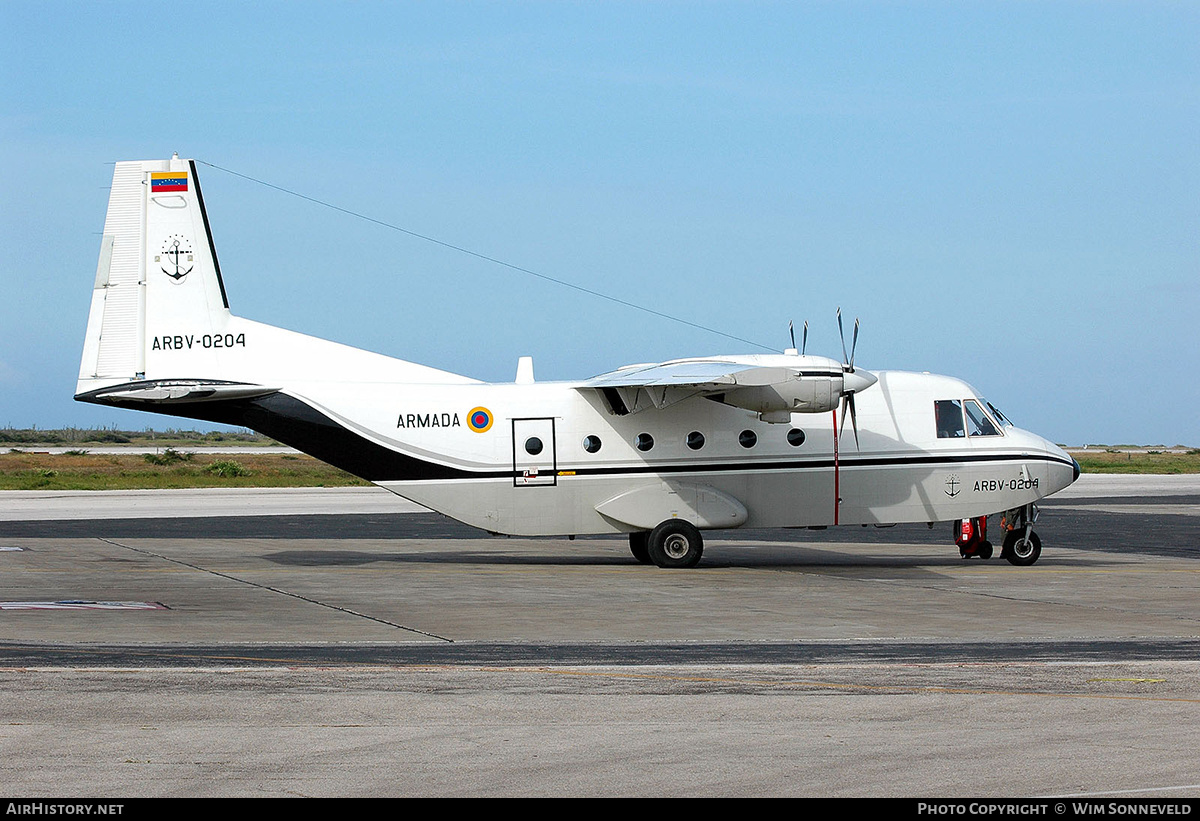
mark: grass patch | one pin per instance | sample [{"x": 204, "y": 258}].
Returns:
[
  {"x": 1112, "y": 460},
  {"x": 85, "y": 471},
  {"x": 170, "y": 437}
]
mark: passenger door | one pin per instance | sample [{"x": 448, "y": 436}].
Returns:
[{"x": 534, "y": 461}]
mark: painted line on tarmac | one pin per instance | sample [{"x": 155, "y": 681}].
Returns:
[
  {"x": 281, "y": 592},
  {"x": 835, "y": 685}
]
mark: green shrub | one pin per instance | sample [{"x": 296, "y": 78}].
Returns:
[
  {"x": 170, "y": 456},
  {"x": 226, "y": 469}
]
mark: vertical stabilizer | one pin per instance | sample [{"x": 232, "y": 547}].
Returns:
[{"x": 156, "y": 259}]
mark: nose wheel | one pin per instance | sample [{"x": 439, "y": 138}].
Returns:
[{"x": 1022, "y": 547}]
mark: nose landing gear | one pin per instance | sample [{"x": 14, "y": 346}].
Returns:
[{"x": 1022, "y": 546}]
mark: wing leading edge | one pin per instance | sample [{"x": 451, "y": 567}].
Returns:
[{"x": 774, "y": 386}]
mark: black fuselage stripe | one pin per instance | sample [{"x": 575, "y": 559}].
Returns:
[{"x": 294, "y": 422}]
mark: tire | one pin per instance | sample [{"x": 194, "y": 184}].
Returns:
[
  {"x": 985, "y": 550},
  {"x": 639, "y": 542},
  {"x": 1021, "y": 551},
  {"x": 675, "y": 543}
]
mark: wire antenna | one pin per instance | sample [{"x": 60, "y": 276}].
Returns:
[{"x": 581, "y": 289}]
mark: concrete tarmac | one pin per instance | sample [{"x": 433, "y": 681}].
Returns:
[{"x": 174, "y": 650}]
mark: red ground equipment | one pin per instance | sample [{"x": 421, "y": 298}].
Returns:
[{"x": 971, "y": 537}]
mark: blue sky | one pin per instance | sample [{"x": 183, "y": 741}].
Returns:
[{"x": 1005, "y": 192}]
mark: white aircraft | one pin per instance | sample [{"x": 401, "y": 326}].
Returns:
[{"x": 660, "y": 452}]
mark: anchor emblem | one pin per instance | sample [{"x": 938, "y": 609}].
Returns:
[
  {"x": 175, "y": 259},
  {"x": 952, "y": 484}
]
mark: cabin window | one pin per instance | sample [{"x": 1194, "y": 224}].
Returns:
[
  {"x": 747, "y": 438},
  {"x": 949, "y": 416},
  {"x": 695, "y": 440},
  {"x": 978, "y": 423},
  {"x": 533, "y": 446},
  {"x": 591, "y": 443},
  {"x": 644, "y": 442},
  {"x": 795, "y": 437}
]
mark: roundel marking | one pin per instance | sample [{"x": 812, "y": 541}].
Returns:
[{"x": 480, "y": 420}]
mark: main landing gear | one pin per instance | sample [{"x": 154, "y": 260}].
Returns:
[
  {"x": 674, "y": 543},
  {"x": 1022, "y": 547}
]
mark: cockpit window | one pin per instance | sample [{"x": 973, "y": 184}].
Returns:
[
  {"x": 978, "y": 423},
  {"x": 948, "y": 413}
]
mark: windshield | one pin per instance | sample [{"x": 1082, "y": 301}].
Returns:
[
  {"x": 1001, "y": 418},
  {"x": 979, "y": 423}
]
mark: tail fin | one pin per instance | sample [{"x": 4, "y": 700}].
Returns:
[
  {"x": 156, "y": 259},
  {"x": 160, "y": 334}
]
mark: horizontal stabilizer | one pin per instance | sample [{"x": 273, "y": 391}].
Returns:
[{"x": 176, "y": 390}]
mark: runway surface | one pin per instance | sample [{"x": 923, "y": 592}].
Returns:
[{"x": 387, "y": 651}]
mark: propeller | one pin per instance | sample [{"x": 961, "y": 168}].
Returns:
[
  {"x": 804, "y": 339},
  {"x": 848, "y": 361},
  {"x": 851, "y": 386}
]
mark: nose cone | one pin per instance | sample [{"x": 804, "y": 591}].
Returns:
[
  {"x": 1063, "y": 469},
  {"x": 858, "y": 380}
]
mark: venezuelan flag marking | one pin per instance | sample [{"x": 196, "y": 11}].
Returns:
[{"x": 162, "y": 181}]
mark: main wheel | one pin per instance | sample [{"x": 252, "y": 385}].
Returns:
[
  {"x": 675, "y": 543},
  {"x": 639, "y": 545},
  {"x": 1020, "y": 550}
]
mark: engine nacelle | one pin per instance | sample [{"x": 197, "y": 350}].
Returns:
[
  {"x": 808, "y": 394},
  {"x": 804, "y": 393}
]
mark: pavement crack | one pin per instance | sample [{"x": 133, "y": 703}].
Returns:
[{"x": 279, "y": 591}]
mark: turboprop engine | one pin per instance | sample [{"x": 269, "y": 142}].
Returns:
[{"x": 816, "y": 385}]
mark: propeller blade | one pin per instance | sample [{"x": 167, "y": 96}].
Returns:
[
  {"x": 804, "y": 344},
  {"x": 792, "y": 331},
  {"x": 854, "y": 345},
  {"x": 848, "y": 404},
  {"x": 842, "y": 334},
  {"x": 854, "y": 422}
]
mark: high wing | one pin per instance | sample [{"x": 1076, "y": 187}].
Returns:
[{"x": 774, "y": 386}]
